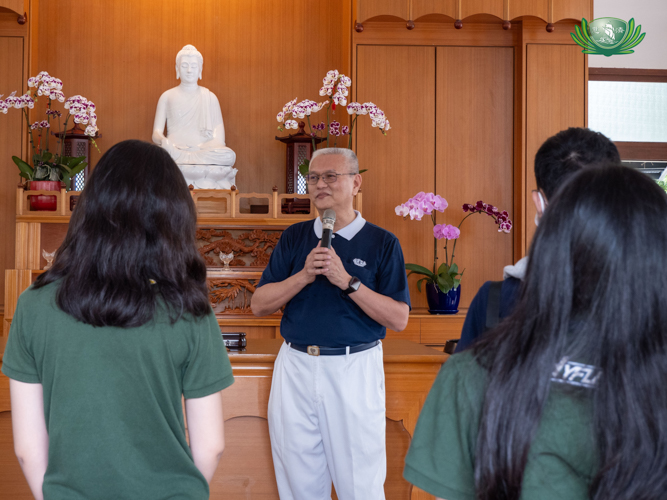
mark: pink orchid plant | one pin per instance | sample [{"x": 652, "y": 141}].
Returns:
[
  {"x": 447, "y": 276},
  {"x": 331, "y": 130},
  {"x": 45, "y": 164}
]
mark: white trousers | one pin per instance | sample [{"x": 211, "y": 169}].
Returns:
[{"x": 327, "y": 423}]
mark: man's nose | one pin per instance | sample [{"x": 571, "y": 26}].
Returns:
[{"x": 321, "y": 183}]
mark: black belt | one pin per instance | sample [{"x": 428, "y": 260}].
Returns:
[{"x": 315, "y": 350}]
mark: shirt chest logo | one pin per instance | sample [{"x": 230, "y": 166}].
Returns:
[
  {"x": 359, "y": 262},
  {"x": 579, "y": 374}
]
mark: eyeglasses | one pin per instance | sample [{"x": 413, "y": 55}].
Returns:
[{"x": 329, "y": 177}]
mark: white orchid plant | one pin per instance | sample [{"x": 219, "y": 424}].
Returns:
[
  {"x": 47, "y": 166},
  {"x": 331, "y": 130}
]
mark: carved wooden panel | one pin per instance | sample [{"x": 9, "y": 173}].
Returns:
[
  {"x": 251, "y": 247},
  {"x": 231, "y": 296}
]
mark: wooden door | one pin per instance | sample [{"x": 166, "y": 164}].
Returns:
[
  {"x": 474, "y": 155},
  {"x": 401, "y": 81},
  {"x": 555, "y": 93}
]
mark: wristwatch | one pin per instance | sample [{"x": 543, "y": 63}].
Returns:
[{"x": 352, "y": 286}]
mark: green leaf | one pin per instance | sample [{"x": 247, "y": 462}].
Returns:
[
  {"x": 68, "y": 181},
  {"x": 419, "y": 283},
  {"x": 417, "y": 269},
  {"x": 443, "y": 269},
  {"x": 64, "y": 168},
  {"x": 363, "y": 170},
  {"x": 78, "y": 168},
  {"x": 27, "y": 171},
  {"x": 46, "y": 156},
  {"x": 73, "y": 161},
  {"x": 445, "y": 283},
  {"x": 303, "y": 167},
  {"x": 453, "y": 269}
]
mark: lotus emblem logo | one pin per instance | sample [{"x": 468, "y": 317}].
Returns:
[{"x": 608, "y": 36}]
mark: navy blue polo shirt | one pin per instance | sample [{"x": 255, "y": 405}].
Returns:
[
  {"x": 320, "y": 314},
  {"x": 475, "y": 322}
]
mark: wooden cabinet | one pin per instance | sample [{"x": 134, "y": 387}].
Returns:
[
  {"x": 246, "y": 469},
  {"x": 451, "y": 113},
  {"x": 431, "y": 330}
]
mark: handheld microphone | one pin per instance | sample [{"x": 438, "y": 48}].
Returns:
[{"x": 328, "y": 221}]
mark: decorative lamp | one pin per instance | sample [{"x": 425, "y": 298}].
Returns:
[
  {"x": 77, "y": 143},
  {"x": 299, "y": 148}
]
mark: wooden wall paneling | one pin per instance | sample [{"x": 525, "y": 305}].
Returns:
[
  {"x": 555, "y": 89},
  {"x": 401, "y": 81},
  {"x": 257, "y": 56},
  {"x": 537, "y": 8},
  {"x": 367, "y": 9},
  {"x": 18, "y": 6},
  {"x": 474, "y": 155},
  {"x": 519, "y": 212},
  {"x": 16, "y": 281},
  {"x": 439, "y": 33},
  {"x": 472, "y": 7},
  {"x": 11, "y": 136},
  {"x": 411, "y": 332},
  {"x": 434, "y": 332},
  {"x": 425, "y": 7},
  {"x": 572, "y": 9}
]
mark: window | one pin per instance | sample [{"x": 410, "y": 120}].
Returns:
[{"x": 630, "y": 107}]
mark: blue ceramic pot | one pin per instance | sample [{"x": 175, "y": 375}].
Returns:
[{"x": 442, "y": 303}]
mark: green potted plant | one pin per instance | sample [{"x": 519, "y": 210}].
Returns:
[
  {"x": 46, "y": 169},
  {"x": 443, "y": 290}
]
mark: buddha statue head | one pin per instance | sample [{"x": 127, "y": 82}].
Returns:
[{"x": 189, "y": 64}]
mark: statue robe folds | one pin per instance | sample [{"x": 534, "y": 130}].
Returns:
[{"x": 195, "y": 130}]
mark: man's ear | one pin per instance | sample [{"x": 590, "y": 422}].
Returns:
[
  {"x": 357, "y": 184},
  {"x": 539, "y": 205}
]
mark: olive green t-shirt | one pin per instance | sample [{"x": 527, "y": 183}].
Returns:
[
  {"x": 441, "y": 458},
  {"x": 112, "y": 398}
]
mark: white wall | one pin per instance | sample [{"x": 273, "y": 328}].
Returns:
[{"x": 651, "y": 53}]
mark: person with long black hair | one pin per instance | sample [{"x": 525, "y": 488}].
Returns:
[
  {"x": 566, "y": 398},
  {"x": 104, "y": 345}
]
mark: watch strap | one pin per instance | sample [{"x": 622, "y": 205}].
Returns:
[{"x": 352, "y": 286}]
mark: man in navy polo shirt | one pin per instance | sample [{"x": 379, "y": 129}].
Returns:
[{"x": 327, "y": 406}]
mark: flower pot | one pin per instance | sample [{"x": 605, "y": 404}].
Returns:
[
  {"x": 42, "y": 202},
  {"x": 442, "y": 303}
]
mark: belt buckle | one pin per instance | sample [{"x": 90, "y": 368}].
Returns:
[{"x": 313, "y": 350}]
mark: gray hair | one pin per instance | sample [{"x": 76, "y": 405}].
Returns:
[
  {"x": 189, "y": 50},
  {"x": 349, "y": 155}
]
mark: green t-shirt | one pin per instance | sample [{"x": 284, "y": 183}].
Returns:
[
  {"x": 441, "y": 458},
  {"x": 112, "y": 398}
]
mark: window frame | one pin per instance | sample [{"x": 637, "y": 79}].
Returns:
[{"x": 634, "y": 151}]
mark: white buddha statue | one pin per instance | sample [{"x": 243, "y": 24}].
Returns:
[{"x": 195, "y": 131}]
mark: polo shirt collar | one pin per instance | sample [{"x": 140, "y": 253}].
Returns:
[{"x": 348, "y": 232}]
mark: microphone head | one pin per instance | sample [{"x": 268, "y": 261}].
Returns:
[{"x": 328, "y": 219}]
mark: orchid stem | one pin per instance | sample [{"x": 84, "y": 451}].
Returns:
[
  {"x": 311, "y": 133},
  {"x": 435, "y": 251}
]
